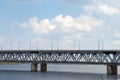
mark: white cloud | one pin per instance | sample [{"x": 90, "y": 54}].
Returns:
[
  {"x": 64, "y": 29},
  {"x": 63, "y": 24},
  {"x": 117, "y": 34},
  {"x": 43, "y": 26},
  {"x": 72, "y": 37},
  {"x": 86, "y": 23},
  {"x": 111, "y": 2},
  {"x": 108, "y": 10},
  {"x": 89, "y": 8},
  {"x": 66, "y": 23},
  {"x": 24, "y": 25},
  {"x": 78, "y": 2},
  {"x": 116, "y": 42},
  {"x": 101, "y": 8}
]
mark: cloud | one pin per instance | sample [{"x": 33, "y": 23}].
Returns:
[
  {"x": 101, "y": 8},
  {"x": 117, "y": 34},
  {"x": 117, "y": 42},
  {"x": 62, "y": 23},
  {"x": 62, "y": 28},
  {"x": 108, "y": 10},
  {"x": 24, "y": 25},
  {"x": 110, "y": 2},
  {"x": 78, "y": 2},
  {"x": 89, "y": 8},
  {"x": 65, "y": 23},
  {"x": 41, "y": 26},
  {"x": 86, "y": 23}
]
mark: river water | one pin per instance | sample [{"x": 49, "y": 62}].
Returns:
[{"x": 56, "y": 72}]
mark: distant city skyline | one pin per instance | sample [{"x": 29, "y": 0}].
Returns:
[{"x": 60, "y": 24}]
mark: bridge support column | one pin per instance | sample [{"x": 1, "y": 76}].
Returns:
[
  {"x": 111, "y": 69},
  {"x": 43, "y": 67},
  {"x": 34, "y": 67}
]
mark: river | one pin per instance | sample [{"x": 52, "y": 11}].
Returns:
[{"x": 56, "y": 72}]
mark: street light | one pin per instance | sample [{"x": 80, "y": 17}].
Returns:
[
  {"x": 74, "y": 44},
  {"x": 11, "y": 45},
  {"x": 30, "y": 45},
  {"x": 37, "y": 45},
  {"x": 51, "y": 45},
  {"x": 98, "y": 45},
  {"x": 57, "y": 45},
  {"x": 1, "y": 46},
  {"x": 79, "y": 45},
  {"x": 19, "y": 45}
]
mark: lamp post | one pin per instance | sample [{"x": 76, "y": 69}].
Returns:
[
  {"x": 57, "y": 45},
  {"x": 74, "y": 46},
  {"x": 30, "y": 45},
  {"x": 19, "y": 45},
  {"x": 102, "y": 43},
  {"x": 1, "y": 46},
  {"x": 79, "y": 45},
  {"x": 98, "y": 45},
  {"x": 11, "y": 45},
  {"x": 51, "y": 45},
  {"x": 37, "y": 44}
]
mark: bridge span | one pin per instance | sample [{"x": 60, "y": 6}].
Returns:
[{"x": 110, "y": 58}]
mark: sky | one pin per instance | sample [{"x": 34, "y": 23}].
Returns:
[{"x": 59, "y": 24}]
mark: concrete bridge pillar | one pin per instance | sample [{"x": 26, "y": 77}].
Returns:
[
  {"x": 111, "y": 69},
  {"x": 43, "y": 67},
  {"x": 34, "y": 67}
]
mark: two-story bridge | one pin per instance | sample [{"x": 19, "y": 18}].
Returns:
[{"x": 110, "y": 58}]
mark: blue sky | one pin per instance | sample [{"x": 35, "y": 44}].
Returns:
[{"x": 66, "y": 24}]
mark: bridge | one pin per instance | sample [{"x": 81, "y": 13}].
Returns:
[{"x": 110, "y": 58}]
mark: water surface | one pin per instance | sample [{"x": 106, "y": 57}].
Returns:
[{"x": 55, "y": 72}]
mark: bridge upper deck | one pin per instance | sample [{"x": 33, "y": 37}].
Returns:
[{"x": 103, "y": 51}]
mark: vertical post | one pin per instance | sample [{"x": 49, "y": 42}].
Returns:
[
  {"x": 57, "y": 45},
  {"x": 111, "y": 69},
  {"x": 34, "y": 67},
  {"x": 102, "y": 43},
  {"x": 51, "y": 45},
  {"x": 19, "y": 45},
  {"x": 43, "y": 67},
  {"x": 74, "y": 45},
  {"x": 37, "y": 45},
  {"x": 11, "y": 45},
  {"x": 98, "y": 45},
  {"x": 30, "y": 46},
  {"x": 1, "y": 46},
  {"x": 79, "y": 45}
]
